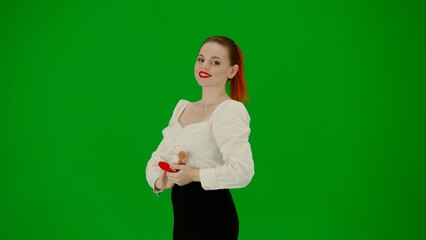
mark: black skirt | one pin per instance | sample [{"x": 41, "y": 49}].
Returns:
[{"x": 203, "y": 215}]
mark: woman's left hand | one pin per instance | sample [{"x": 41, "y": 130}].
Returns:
[{"x": 185, "y": 175}]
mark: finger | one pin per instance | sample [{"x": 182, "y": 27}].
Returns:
[
  {"x": 172, "y": 179},
  {"x": 178, "y": 167},
  {"x": 172, "y": 176},
  {"x": 174, "y": 165}
]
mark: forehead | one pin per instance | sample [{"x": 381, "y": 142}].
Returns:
[{"x": 210, "y": 49}]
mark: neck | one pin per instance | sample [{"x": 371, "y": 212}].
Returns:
[{"x": 212, "y": 96}]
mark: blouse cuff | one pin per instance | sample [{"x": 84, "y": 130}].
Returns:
[
  {"x": 156, "y": 190},
  {"x": 208, "y": 178}
]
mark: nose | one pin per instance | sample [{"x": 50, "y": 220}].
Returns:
[{"x": 206, "y": 65}]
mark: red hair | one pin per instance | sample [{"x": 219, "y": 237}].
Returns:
[{"x": 238, "y": 82}]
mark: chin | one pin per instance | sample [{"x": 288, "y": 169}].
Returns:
[
  {"x": 200, "y": 82},
  {"x": 203, "y": 83}
]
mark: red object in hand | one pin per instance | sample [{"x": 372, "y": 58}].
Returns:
[{"x": 165, "y": 166}]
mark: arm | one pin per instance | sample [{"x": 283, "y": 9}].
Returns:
[
  {"x": 153, "y": 172},
  {"x": 231, "y": 129}
]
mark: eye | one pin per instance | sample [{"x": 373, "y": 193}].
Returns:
[
  {"x": 216, "y": 63},
  {"x": 200, "y": 60}
]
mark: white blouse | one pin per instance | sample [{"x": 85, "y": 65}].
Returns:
[{"x": 219, "y": 147}]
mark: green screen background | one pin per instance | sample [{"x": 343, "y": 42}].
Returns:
[{"x": 337, "y": 94}]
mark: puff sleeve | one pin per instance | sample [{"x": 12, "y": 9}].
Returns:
[{"x": 231, "y": 130}]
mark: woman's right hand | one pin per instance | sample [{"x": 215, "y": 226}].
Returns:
[{"x": 163, "y": 182}]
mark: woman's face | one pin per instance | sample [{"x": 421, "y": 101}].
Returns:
[{"x": 213, "y": 67}]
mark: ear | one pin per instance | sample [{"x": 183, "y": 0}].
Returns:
[{"x": 233, "y": 71}]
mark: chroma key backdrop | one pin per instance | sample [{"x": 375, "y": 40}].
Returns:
[{"x": 337, "y": 109}]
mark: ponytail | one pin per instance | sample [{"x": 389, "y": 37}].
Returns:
[{"x": 238, "y": 83}]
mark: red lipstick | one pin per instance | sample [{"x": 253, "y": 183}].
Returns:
[{"x": 203, "y": 74}]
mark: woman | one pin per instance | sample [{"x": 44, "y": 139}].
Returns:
[{"x": 214, "y": 133}]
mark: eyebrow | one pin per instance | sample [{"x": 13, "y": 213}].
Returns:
[{"x": 212, "y": 56}]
